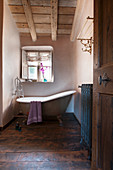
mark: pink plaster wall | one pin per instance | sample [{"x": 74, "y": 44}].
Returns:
[
  {"x": 62, "y": 63},
  {"x": 1, "y": 32},
  {"x": 10, "y": 64},
  {"x": 82, "y": 62}
]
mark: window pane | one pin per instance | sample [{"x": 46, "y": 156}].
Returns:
[
  {"x": 38, "y": 64},
  {"x": 32, "y": 73},
  {"x": 34, "y": 63},
  {"x": 46, "y": 63}
]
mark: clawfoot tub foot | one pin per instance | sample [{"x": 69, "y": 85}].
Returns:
[{"x": 59, "y": 117}]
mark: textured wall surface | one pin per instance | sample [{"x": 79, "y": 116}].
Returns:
[
  {"x": 82, "y": 61},
  {"x": 10, "y": 64},
  {"x": 62, "y": 64},
  {"x": 1, "y": 31}
]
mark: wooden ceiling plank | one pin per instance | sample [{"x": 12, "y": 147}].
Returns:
[
  {"x": 38, "y": 30},
  {"x": 14, "y": 2},
  {"x": 29, "y": 18},
  {"x": 66, "y": 10},
  {"x": 64, "y": 31},
  {"x": 64, "y": 26},
  {"x": 44, "y": 19},
  {"x": 25, "y": 34},
  {"x": 22, "y": 25},
  {"x": 77, "y": 19},
  {"x": 67, "y": 3},
  {"x": 20, "y": 18},
  {"x": 24, "y": 30},
  {"x": 65, "y": 19},
  {"x": 28, "y": 34},
  {"x": 54, "y": 14},
  {"x": 43, "y": 26},
  {"x": 41, "y": 10},
  {"x": 45, "y": 31},
  {"x": 63, "y": 3},
  {"x": 39, "y": 34},
  {"x": 16, "y": 9}
]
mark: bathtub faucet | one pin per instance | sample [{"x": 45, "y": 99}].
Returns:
[{"x": 19, "y": 88}]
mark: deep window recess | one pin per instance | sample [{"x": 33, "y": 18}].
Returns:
[{"x": 37, "y": 65}]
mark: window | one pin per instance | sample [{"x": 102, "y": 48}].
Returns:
[{"x": 37, "y": 64}]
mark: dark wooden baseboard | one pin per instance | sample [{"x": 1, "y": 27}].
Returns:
[{"x": 4, "y": 127}]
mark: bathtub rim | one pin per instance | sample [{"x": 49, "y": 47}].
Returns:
[{"x": 47, "y": 98}]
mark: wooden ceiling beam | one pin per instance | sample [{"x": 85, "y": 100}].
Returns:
[
  {"x": 54, "y": 16},
  {"x": 77, "y": 19},
  {"x": 29, "y": 18}
]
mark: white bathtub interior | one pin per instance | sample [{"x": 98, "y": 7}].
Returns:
[{"x": 45, "y": 98}]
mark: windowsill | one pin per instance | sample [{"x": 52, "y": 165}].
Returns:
[{"x": 34, "y": 81}]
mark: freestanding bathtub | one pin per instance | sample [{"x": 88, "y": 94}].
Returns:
[{"x": 52, "y": 106}]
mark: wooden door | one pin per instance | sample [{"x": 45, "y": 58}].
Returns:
[{"x": 102, "y": 146}]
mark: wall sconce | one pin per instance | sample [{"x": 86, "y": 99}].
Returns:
[{"x": 87, "y": 43}]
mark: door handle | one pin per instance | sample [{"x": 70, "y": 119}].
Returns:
[{"x": 103, "y": 79}]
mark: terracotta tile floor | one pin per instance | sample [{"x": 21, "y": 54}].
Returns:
[{"x": 44, "y": 146}]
